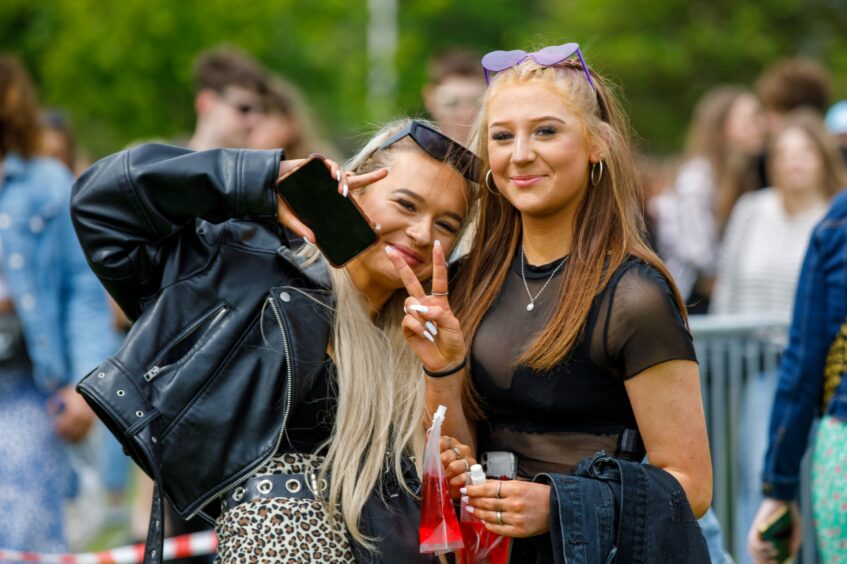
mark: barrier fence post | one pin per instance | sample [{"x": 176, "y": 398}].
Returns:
[{"x": 737, "y": 354}]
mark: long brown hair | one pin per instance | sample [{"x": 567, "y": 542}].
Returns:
[
  {"x": 20, "y": 129},
  {"x": 810, "y": 123},
  {"x": 609, "y": 224},
  {"x": 734, "y": 172}
]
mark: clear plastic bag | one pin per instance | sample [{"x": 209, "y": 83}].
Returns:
[
  {"x": 481, "y": 545},
  {"x": 439, "y": 530}
]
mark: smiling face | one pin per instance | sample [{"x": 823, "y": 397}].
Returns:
[
  {"x": 420, "y": 200},
  {"x": 538, "y": 151}
]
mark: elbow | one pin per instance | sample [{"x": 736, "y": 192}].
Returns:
[
  {"x": 699, "y": 492},
  {"x": 700, "y": 501},
  {"x": 697, "y": 485}
]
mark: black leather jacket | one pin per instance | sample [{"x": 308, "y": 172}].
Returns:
[{"x": 230, "y": 329}]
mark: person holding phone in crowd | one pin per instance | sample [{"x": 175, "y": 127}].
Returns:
[
  {"x": 805, "y": 163},
  {"x": 574, "y": 335},
  {"x": 149, "y": 218}
]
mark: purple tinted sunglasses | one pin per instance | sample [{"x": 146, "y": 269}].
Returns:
[{"x": 497, "y": 61}]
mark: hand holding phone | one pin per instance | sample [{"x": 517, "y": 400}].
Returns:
[
  {"x": 310, "y": 206},
  {"x": 777, "y": 531}
]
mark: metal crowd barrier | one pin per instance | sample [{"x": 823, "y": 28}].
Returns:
[{"x": 733, "y": 349}]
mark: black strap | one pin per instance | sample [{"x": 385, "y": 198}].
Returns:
[
  {"x": 630, "y": 445},
  {"x": 155, "y": 531},
  {"x": 290, "y": 486}
]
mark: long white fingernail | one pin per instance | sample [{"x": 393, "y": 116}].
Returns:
[
  {"x": 377, "y": 227},
  {"x": 405, "y": 310},
  {"x": 388, "y": 249},
  {"x": 437, "y": 243},
  {"x": 432, "y": 328},
  {"x": 429, "y": 337},
  {"x": 345, "y": 190},
  {"x": 419, "y": 308},
  {"x": 465, "y": 499},
  {"x": 338, "y": 174},
  {"x": 469, "y": 508},
  {"x": 463, "y": 491}
]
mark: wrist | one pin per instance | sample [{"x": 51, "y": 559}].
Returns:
[{"x": 450, "y": 369}]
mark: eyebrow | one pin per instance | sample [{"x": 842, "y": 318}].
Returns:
[
  {"x": 542, "y": 118},
  {"x": 419, "y": 198}
]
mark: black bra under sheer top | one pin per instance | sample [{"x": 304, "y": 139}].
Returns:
[{"x": 553, "y": 419}]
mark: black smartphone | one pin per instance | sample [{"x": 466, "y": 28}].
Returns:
[
  {"x": 341, "y": 229},
  {"x": 777, "y": 531}
]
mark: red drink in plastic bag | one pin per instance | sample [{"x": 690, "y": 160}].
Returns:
[
  {"x": 439, "y": 529},
  {"x": 481, "y": 545}
]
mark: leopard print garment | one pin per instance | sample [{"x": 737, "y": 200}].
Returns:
[{"x": 277, "y": 529}]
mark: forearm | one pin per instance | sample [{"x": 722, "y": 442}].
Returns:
[
  {"x": 128, "y": 207},
  {"x": 150, "y": 192}
]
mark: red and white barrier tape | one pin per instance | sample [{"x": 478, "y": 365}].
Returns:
[{"x": 183, "y": 546}]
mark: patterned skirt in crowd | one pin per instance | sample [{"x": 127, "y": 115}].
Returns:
[
  {"x": 282, "y": 529},
  {"x": 35, "y": 473}
]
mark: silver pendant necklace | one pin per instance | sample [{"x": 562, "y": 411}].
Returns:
[{"x": 531, "y": 305}]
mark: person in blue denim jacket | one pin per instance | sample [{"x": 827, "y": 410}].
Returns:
[
  {"x": 810, "y": 385},
  {"x": 55, "y": 326}
]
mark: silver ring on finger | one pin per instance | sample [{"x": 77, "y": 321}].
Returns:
[
  {"x": 439, "y": 293},
  {"x": 467, "y": 466},
  {"x": 499, "y": 485},
  {"x": 500, "y": 518},
  {"x": 458, "y": 453}
]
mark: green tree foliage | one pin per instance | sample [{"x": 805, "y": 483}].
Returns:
[{"x": 123, "y": 69}]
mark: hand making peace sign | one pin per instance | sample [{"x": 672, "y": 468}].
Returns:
[{"x": 430, "y": 327}]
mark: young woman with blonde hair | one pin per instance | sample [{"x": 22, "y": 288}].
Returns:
[
  {"x": 575, "y": 334},
  {"x": 171, "y": 232}
]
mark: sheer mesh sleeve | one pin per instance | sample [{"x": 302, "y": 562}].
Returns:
[{"x": 638, "y": 324}]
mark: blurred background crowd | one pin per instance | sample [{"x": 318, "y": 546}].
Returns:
[{"x": 736, "y": 106}]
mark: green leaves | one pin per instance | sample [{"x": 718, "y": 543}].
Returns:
[{"x": 123, "y": 69}]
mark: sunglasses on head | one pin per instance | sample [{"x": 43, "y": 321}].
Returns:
[
  {"x": 497, "y": 61},
  {"x": 440, "y": 147}
]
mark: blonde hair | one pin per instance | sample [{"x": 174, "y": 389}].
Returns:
[
  {"x": 380, "y": 414},
  {"x": 609, "y": 225}
]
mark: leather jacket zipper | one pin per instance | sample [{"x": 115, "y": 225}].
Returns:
[
  {"x": 158, "y": 367},
  {"x": 286, "y": 409}
]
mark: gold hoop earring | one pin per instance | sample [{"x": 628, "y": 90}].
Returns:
[
  {"x": 596, "y": 181},
  {"x": 489, "y": 182}
]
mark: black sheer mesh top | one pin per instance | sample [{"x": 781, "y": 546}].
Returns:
[{"x": 551, "y": 420}]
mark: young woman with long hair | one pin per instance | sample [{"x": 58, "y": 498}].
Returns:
[
  {"x": 574, "y": 330},
  {"x": 357, "y": 412},
  {"x": 719, "y": 166}
]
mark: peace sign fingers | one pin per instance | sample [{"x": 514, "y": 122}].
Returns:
[
  {"x": 440, "y": 281},
  {"x": 407, "y": 275}
]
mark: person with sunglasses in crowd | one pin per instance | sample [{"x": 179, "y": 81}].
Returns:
[
  {"x": 574, "y": 335},
  {"x": 152, "y": 219},
  {"x": 229, "y": 100}
]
